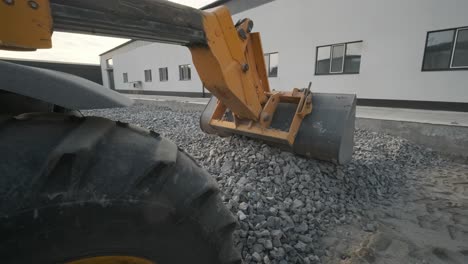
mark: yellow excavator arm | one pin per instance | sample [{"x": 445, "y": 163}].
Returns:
[{"x": 228, "y": 57}]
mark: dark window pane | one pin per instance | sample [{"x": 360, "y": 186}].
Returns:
[
  {"x": 460, "y": 56},
  {"x": 274, "y": 61},
  {"x": 125, "y": 77},
  {"x": 185, "y": 72},
  {"x": 438, "y": 50},
  {"x": 163, "y": 74},
  {"x": 148, "y": 76},
  {"x": 337, "y": 58},
  {"x": 353, "y": 57},
  {"x": 323, "y": 60}
]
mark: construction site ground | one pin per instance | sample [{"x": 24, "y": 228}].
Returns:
[{"x": 395, "y": 202}]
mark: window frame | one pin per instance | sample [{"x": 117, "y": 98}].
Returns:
[
  {"x": 268, "y": 65},
  {"x": 166, "y": 71},
  {"x": 150, "y": 79},
  {"x": 331, "y": 58},
  {"x": 189, "y": 75},
  {"x": 452, "y": 52}
]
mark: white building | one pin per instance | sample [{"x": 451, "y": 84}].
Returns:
[{"x": 401, "y": 53}]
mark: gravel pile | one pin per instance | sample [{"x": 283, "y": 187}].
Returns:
[{"x": 285, "y": 203}]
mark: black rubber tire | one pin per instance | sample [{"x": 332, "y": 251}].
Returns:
[{"x": 74, "y": 187}]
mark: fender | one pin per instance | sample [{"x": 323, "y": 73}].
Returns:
[{"x": 62, "y": 89}]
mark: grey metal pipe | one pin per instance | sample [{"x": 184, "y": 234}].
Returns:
[{"x": 150, "y": 20}]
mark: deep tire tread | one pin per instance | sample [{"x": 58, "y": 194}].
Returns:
[{"x": 82, "y": 148}]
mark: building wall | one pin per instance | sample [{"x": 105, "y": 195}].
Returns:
[
  {"x": 393, "y": 34},
  {"x": 237, "y": 6},
  {"x": 152, "y": 57},
  {"x": 110, "y": 55}
]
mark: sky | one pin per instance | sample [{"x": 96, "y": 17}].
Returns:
[{"x": 80, "y": 48}]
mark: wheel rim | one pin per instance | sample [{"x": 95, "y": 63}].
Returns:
[{"x": 112, "y": 260}]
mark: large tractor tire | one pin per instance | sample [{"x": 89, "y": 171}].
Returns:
[{"x": 90, "y": 190}]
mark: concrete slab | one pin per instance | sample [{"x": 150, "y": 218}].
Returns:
[{"x": 414, "y": 115}]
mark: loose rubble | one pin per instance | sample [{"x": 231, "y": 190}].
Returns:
[{"x": 284, "y": 203}]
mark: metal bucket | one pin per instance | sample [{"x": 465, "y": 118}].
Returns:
[{"x": 326, "y": 134}]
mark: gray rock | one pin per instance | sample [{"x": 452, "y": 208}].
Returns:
[
  {"x": 242, "y": 181},
  {"x": 370, "y": 227},
  {"x": 268, "y": 244},
  {"x": 297, "y": 200},
  {"x": 243, "y": 206},
  {"x": 263, "y": 233},
  {"x": 256, "y": 256},
  {"x": 227, "y": 166},
  {"x": 278, "y": 253},
  {"x": 252, "y": 174},
  {"x": 305, "y": 239},
  {"x": 301, "y": 246},
  {"x": 258, "y": 248},
  {"x": 241, "y": 215},
  {"x": 297, "y": 204},
  {"x": 302, "y": 228}
]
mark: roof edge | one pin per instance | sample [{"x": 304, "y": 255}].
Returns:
[{"x": 118, "y": 47}]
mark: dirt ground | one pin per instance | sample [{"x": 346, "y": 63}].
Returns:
[{"x": 427, "y": 224}]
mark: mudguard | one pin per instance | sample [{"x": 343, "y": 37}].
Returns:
[{"x": 63, "y": 89}]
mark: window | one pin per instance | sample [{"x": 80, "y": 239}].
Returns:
[
  {"x": 271, "y": 62},
  {"x": 446, "y": 50},
  {"x": 125, "y": 77},
  {"x": 148, "y": 76},
  {"x": 185, "y": 73},
  {"x": 109, "y": 63},
  {"x": 337, "y": 58},
  {"x": 163, "y": 76},
  {"x": 343, "y": 58}
]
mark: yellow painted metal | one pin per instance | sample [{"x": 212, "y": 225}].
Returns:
[
  {"x": 262, "y": 129},
  {"x": 232, "y": 67},
  {"x": 259, "y": 59},
  {"x": 25, "y": 25},
  {"x": 269, "y": 110},
  {"x": 112, "y": 260},
  {"x": 227, "y": 66}
]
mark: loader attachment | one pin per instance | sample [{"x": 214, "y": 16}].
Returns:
[
  {"x": 327, "y": 133},
  {"x": 229, "y": 59}
]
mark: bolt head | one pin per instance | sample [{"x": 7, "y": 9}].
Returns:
[
  {"x": 33, "y": 4},
  {"x": 9, "y": 2},
  {"x": 250, "y": 26},
  {"x": 245, "y": 67},
  {"x": 242, "y": 34}
]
